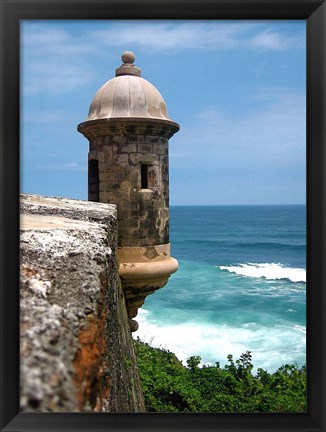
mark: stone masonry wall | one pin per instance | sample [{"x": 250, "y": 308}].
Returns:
[
  {"x": 77, "y": 353},
  {"x": 143, "y": 212}
]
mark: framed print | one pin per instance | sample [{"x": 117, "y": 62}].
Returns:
[{"x": 236, "y": 91}]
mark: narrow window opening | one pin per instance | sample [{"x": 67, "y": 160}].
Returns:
[
  {"x": 93, "y": 181},
  {"x": 144, "y": 176}
]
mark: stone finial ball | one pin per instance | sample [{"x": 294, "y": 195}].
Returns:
[
  {"x": 128, "y": 57},
  {"x": 133, "y": 324}
]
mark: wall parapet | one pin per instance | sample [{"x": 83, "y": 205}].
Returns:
[{"x": 77, "y": 352}]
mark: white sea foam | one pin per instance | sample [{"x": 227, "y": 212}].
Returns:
[
  {"x": 269, "y": 271},
  {"x": 271, "y": 347}
]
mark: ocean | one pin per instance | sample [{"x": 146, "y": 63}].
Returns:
[{"x": 241, "y": 286}]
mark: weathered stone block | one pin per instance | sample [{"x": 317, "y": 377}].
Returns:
[
  {"x": 126, "y": 204},
  {"x": 145, "y": 148},
  {"x": 125, "y": 186},
  {"x": 123, "y": 159},
  {"x": 75, "y": 335},
  {"x": 97, "y": 155},
  {"x": 164, "y": 159},
  {"x": 159, "y": 148},
  {"x": 132, "y": 223},
  {"x": 98, "y": 141},
  {"x": 120, "y": 140},
  {"x": 122, "y": 175},
  {"x": 151, "y": 139},
  {"x": 135, "y": 139},
  {"x": 141, "y": 158},
  {"x": 108, "y": 139},
  {"x": 129, "y": 148},
  {"x": 164, "y": 213}
]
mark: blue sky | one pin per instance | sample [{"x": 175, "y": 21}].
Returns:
[{"x": 237, "y": 89}]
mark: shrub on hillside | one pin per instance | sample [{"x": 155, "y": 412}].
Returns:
[{"x": 169, "y": 386}]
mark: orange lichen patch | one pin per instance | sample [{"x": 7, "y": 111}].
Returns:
[
  {"x": 92, "y": 383},
  {"x": 88, "y": 364},
  {"x": 28, "y": 272}
]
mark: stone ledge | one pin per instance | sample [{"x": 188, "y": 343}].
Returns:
[
  {"x": 77, "y": 353},
  {"x": 144, "y": 274},
  {"x": 68, "y": 208}
]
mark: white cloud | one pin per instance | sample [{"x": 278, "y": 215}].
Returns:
[
  {"x": 50, "y": 116},
  {"x": 167, "y": 36},
  {"x": 67, "y": 166},
  {"x": 51, "y": 60},
  {"x": 58, "y": 61},
  {"x": 54, "y": 76},
  {"x": 268, "y": 40},
  {"x": 266, "y": 139},
  {"x": 40, "y": 39},
  {"x": 196, "y": 35},
  {"x": 248, "y": 158},
  {"x": 272, "y": 40}
]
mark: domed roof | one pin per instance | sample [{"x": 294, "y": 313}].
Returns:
[{"x": 128, "y": 96}]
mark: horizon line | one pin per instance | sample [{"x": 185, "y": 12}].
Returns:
[{"x": 212, "y": 205}]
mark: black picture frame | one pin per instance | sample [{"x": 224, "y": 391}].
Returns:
[{"x": 314, "y": 12}]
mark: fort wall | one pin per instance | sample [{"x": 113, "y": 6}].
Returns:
[{"x": 77, "y": 352}]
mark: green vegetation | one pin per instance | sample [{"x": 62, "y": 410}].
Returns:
[{"x": 168, "y": 386}]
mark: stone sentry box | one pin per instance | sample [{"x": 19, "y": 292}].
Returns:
[{"x": 128, "y": 129}]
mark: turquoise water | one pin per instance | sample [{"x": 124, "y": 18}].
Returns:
[{"x": 240, "y": 286}]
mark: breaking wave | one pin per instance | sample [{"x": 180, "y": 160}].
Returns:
[
  {"x": 269, "y": 271},
  {"x": 271, "y": 346}
]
